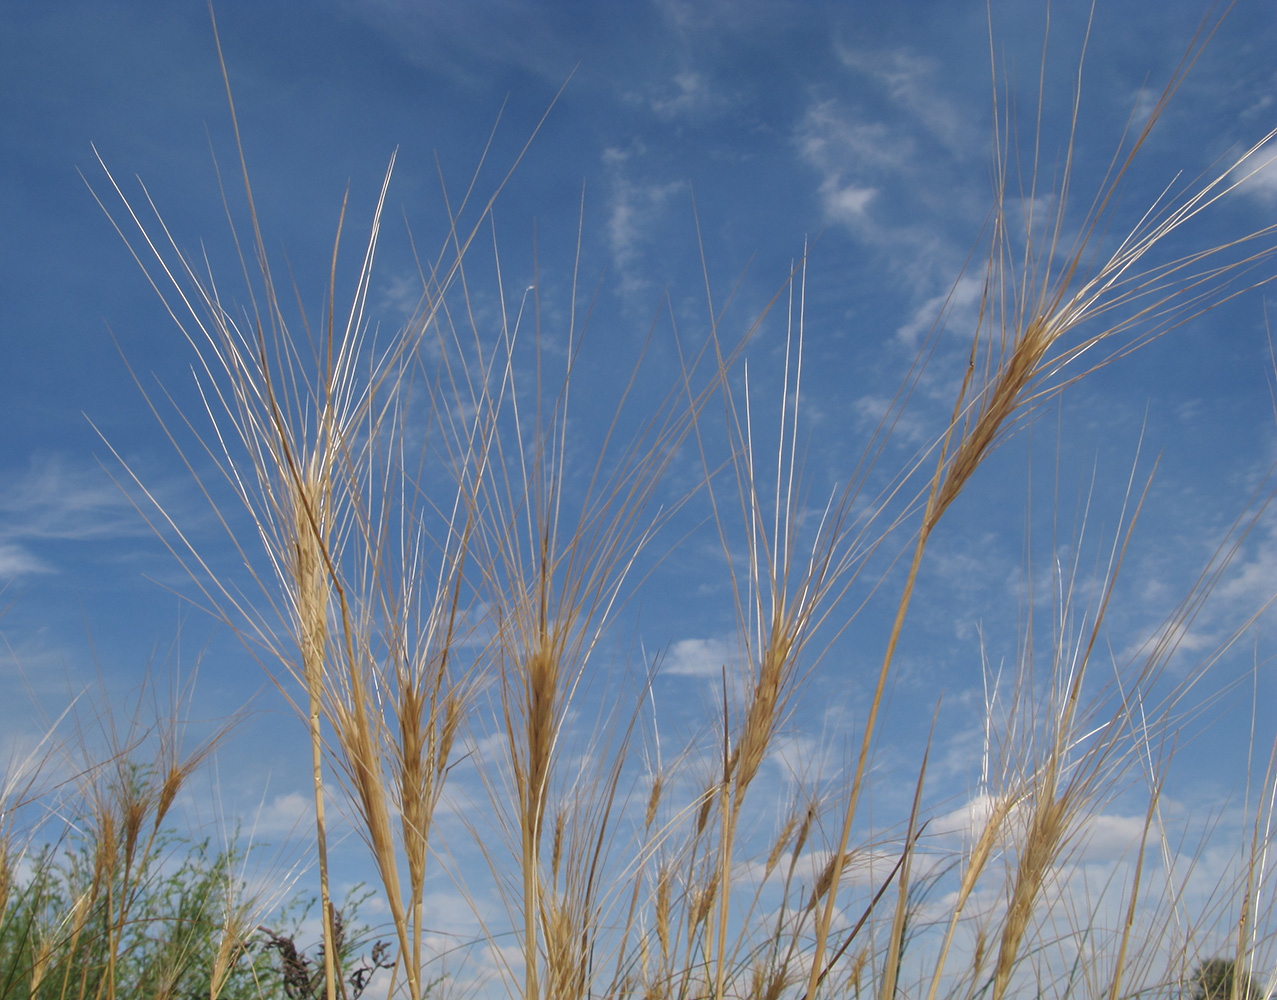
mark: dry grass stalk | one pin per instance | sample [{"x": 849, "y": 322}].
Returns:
[
  {"x": 1119, "y": 966},
  {"x": 1047, "y": 794},
  {"x": 127, "y": 802},
  {"x": 895, "y": 944},
  {"x": 40, "y": 966},
  {"x": 1047, "y": 830},
  {"x": 88, "y": 901},
  {"x": 663, "y": 919},
  {"x": 316, "y": 456},
  {"x": 554, "y": 569},
  {"x": 7, "y": 860},
  {"x": 238, "y": 923},
  {"x": 779, "y": 602},
  {"x": 992, "y": 830},
  {"x": 311, "y": 520},
  {"x": 1026, "y": 314}
]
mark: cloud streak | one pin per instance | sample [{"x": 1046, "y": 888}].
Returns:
[{"x": 55, "y": 501}]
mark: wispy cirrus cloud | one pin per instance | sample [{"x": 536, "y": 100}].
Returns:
[
  {"x": 859, "y": 153},
  {"x": 910, "y": 81},
  {"x": 957, "y": 309},
  {"x": 848, "y": 154},
  {"x": 635, "y": 211},
  {"x": 55, "y": 499},
  {"x": 719, "y": 17},
  {"x": 888, "y": 149},
  {"x": 17, "y": 560},
  {"x": 464, "y": 41},
  {"x": 686, "y": 94}
]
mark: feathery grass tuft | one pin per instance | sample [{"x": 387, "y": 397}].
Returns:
[{"x": 432, "y": 560}]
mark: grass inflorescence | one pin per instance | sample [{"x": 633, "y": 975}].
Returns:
[{"x": 435, "y": 570}]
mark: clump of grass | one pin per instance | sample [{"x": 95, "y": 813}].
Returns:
[
  {"x": 103, "y": 899},
  {"x": 387, "y": 660}
]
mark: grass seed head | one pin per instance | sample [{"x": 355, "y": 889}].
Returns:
[{"x": 653, "y": 801}]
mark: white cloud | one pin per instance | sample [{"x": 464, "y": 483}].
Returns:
[
  {"x": 956, "y": 307},
  {"x": 55, "y": 500},
  {"x": 833, "y": 137},
  {"x": 802, "y": 758},
  {"x": 1171, "y": 636},
  {"x": 615, "y": 155},
  {"x": 1244, "y": 595},
  {"x": 284, "y": 815},
  {"x": 700, "y": 658},
  {"x": 16, "y": 560},
  {"x": 1099, "y": 838},
  {"x": 967, "y": 820},
  {"x": 844, "y": 152},
  {"x": 887, "y": 151},
  {"x": 846, "y": 205},
  {"x": 1145, "y": 101},
  {"x": 463, "y": 41},
  {"x": 402, "y": 294},
  {"x": 1257, "y": 177},
  {"x": 60, "y": 499},
  {"x": 1108, "y": 837},
  {"x": 634, "y": 212},
  {"x": 907, "y": 79},
  {"x": 688, "y": 94},
  {"x": 907, "y": 425},
  {"x": 865, "y": 867},
  {"x": 1251, "y": 582},
  {"x": 715, "y": 18}
]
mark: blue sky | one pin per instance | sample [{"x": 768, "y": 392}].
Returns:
[{"x": 861, "y": 129}]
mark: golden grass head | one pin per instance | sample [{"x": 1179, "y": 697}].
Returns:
[
  {"x": 544, "y": 584},
  {"x": 653, "y": 801}
]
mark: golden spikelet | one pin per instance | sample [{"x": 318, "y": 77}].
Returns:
[
  {"x": 702, "y": 902},
  {"x": 452, "y": 716},
  {"x": 1042, "y": 840},
  {"x": 542, "y": 673},
  {"x": 990, "y": 834},
  {"x": 979, "y": 954},
  {"x": 105, "y": 848},
  {"x": 708, "y": 798},
  {"x": 804, "y": 830},
  {"x": 41, "y": 954},
  {"x": 663, "y": 915},
  {"x": 415, "y": 777},
  {"x": 653, "y": 801},
  {"x": 778, "y": 847},
  {"x": 859, "y": 962},
  {"x": 829, "y": 872},
  {"x": 136, "y": 808},
  {"x": 233, "y": 936},
  {"x": 761, "y": 718},
  {"x": 174, "y": 778},
  {"x": 556, "y": 848},
  {"x": 310, "y": 576}
]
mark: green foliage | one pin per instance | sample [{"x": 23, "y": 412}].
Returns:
[
  {"x": 1217, "y": 979},
  {"x": 61, "y": 931},
  {"x": 77, "y": 914}
]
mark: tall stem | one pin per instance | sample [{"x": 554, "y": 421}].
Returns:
[{"x": 312, "y": 607}]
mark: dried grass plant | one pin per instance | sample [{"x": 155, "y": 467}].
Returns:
[
  {"x": 101, "y": 898},
  {"x": 401, "y": 624}
]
